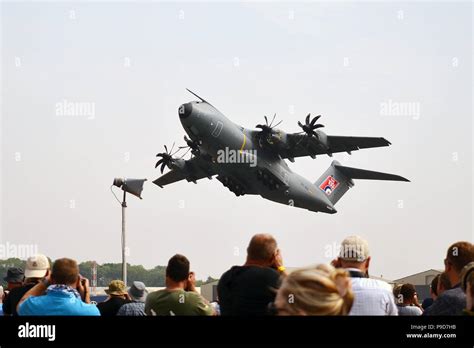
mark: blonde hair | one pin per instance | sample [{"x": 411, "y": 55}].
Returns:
[{"x": 320, "y": 290}]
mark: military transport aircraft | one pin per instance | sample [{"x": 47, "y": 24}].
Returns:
[{"x": 252, "y": 162}]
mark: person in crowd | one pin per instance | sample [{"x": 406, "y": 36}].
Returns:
[
  {"x": 371, "y": 296},
  {"x": 407, "y": 301},
  {"x": 467, "y": 284},
  {"x": 443, "y": 284},
  {"x": 180, "y": 296},
  {"x": 136, "y": 308},
  {"x": 61, "y": 292},
  {"x": 320, "y": 290},
  {"x": 118, "y": 296},
  {"x": 37, "y": 267},
  {"x": 14, "y": 279},
  {"x": 247, "y": 290},
  {"x": 433, "y": 293},
  {"x": 434, "y": 287},
  {"x": 453, "y": 301}
]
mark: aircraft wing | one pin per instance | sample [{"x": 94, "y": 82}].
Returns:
[
  {"x": 192, "y": 170},
  {"x": 302, "y": 145}
]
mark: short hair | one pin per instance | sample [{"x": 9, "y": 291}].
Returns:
[
  {"x": 262, "y": 247},
  {"x": 408, "y": 292},
  {"x": 467, "y": 278},
  {"x": 434, "y": 284},
  {"x": 65, "y": 271},
  {"x": 320, "y": 290},
  {"x": 178, "y": 268},
  {"x": 444, "y": 281},
  {"x": 460, "y": 254}
]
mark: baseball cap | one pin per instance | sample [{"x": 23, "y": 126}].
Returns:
[
  {"x": 354, "y": 248},
  {"x": 36, "y": 266},
  {"x": 116, "y": 287}
]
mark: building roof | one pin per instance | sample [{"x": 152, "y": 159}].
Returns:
[{"x": 429, "y": 271}]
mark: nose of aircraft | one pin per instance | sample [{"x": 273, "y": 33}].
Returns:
[{"x": 185, "y": 110}]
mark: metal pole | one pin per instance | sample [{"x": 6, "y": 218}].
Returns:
[{"x": 124, "y": 261}]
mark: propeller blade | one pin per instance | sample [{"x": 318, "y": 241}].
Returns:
[
  {"x": 266, "y": 120},
  {"x": 307, "y": 119},
  {"x": 318, "y": 126},
  {"x": 277, "y": 124},
  {"x": 163, "y": 167},
  {"x": 158, "y": 163},
  {"x": 273, "y": 119},
  {"x": 186, "y": 152},
  {"x": 166, "y": 149},
  {"x": 315, "y": 119},
  {"x": 300, "y": 124}
]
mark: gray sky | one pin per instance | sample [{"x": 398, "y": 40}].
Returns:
[{"x": 133, "y": 60}]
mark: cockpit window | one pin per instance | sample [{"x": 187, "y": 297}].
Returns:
[{"x": 217, "y": 131}]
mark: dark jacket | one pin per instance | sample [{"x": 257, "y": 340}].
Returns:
[
  {"x": 247, "y": 290},
  {"x": 451, "y": 302}
]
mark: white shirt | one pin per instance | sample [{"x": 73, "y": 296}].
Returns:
[{"x": 372, "y": 297}]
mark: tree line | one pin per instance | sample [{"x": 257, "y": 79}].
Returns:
[{"x": 107, "y": 272}]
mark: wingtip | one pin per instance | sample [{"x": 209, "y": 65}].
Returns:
[{"x": 156, "y": 183}]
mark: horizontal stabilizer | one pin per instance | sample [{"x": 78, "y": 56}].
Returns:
[
  {"x": 355, "y": 173},
  {"x": 337, "y": 179}
]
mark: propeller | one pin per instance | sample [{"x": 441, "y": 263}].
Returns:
[
  {"x": 166, "y": 158},
  {"x": 310, "y": 127},
  {"x": 266, "y": 129}
]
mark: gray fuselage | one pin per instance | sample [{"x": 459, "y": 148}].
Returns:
[{"x": 258, "y": 171}]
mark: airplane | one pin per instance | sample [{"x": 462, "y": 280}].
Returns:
[{"x": 252, "y": 161}]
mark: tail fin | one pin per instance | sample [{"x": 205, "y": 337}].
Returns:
[{"x": 337, "y": 179}]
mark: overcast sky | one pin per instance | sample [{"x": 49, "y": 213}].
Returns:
[{"x": 130, "y": 62}]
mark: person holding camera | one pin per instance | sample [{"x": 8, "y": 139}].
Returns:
[
  {"x": 180, "y": 296},
  {"x": 248, "y": 290},
  {"x": 37, "y": 266},
  {"x": 63, "y": 291}
]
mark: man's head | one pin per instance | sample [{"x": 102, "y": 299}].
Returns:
[
  {"x": 37, "y": 267},
  {"x": 14, "y": 278},
  {"x": 443, "y": 284},
  {"x": 408, "y": 294},
  {"x": 467, "y": 284},
  {"x": 178, "y": 269},
  {"x": 434, "y": 287},
  {"x": 354, "y": 254},
  {"x": 458, "y": 255},
  {"x": 117, "y": 288},
  {"x": 65, "y": 271},
  {"x": 262, "y": 249},
  {"x": 138, "y": 291}
]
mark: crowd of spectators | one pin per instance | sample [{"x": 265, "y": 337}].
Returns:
[{"x": 261, "y": 286}]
